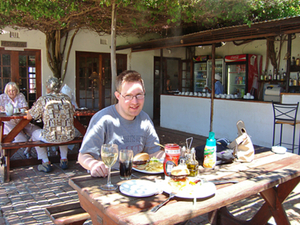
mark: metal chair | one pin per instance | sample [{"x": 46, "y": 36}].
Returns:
[{"x": 285, "y": 114}]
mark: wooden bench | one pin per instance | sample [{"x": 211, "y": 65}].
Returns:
[
  {"x": 70, "y": 213},
  {"x": 12, "y": 147}
]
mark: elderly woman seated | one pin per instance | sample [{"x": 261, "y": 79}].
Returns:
[{"x": 13, "y": 96}]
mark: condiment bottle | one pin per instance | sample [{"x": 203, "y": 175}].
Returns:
[
  {"x": 172, "y": 152},
  {"x": 210, "y": 151},
  {"x": 192, "y": 164},
  {"x": 182, "y": 153}
]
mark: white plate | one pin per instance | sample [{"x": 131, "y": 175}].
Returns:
[
  {"x": 82, "y": 109},
  {"x": 279, "y": 149},
  {"x": 149, "y": 172},
  {"x": 207, "y": 189},
  {"x": 139, "y": 188}
]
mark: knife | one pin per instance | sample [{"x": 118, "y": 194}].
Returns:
[{"x": 223, "y": 181}]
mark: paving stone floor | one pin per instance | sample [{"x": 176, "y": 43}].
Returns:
[{"x": 23, "y": 199}]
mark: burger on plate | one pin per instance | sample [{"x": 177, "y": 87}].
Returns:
[
  {"x": 178, "y": 179},
  {"x": 140, "y": 160}
]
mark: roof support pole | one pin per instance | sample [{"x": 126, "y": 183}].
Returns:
[
  {"x": 213, "y": 50},
  {"x": 113, "y": 61},
  {"x": 288, "y": 62},
  {"x": 161, "y": 80}
]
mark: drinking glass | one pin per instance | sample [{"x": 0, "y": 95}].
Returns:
[
  {"x": 125, "y": 160},
  {"x": 109, "y": 155}
]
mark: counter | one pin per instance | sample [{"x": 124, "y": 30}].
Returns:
[{"x": 192, "y": 114}]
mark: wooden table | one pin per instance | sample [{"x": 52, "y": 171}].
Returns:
[
  {"x": 5, "y": 155},
  {"x": 272, "y": 175},
  {"x": 23, "y": 122}
]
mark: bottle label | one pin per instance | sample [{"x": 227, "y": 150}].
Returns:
[
  {"x": 172, "y": 152},
  {"x": 210, "y": 157}
]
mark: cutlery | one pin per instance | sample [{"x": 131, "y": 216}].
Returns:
[
  {"x": 223, "y": 181},
  {"x": 159, "y": 144},
  {"x": 155, "y": 208},
  {"x": 218, "y": 181}
]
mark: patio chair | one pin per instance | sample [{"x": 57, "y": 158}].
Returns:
[{"x": 285, "y": 114}]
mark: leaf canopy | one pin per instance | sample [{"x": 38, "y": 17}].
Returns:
[{"x": 167, "y": 17}]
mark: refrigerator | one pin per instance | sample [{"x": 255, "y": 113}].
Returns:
[
  {"x": 242, "y": 73},
  {"x": 200, "y": 73},
  {"x": 219, "y": 69}
]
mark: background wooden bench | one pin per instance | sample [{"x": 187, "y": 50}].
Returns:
[
  {"x": 70, "y": 213},
  {"x": 10, "y": 148}
]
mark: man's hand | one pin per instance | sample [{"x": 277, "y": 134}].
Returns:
[
  {"x": 99, "y": 169},
  {"x": 96, "y": 167}
]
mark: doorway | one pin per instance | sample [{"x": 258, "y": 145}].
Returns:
[
  {"x": 171, "y": 80},
  {"x": 93, "y": 78},
  {"x": 23, "y": 68}
]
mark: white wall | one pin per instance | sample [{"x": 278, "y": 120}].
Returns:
[
  {"x": 88, "y": 41},
  {"x": 144, "y": 64},
  {"x": 192, "y": 115}
]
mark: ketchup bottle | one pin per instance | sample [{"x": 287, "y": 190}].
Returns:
[{"x": 172, "y": 152}]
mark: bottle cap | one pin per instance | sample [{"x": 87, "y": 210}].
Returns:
[
  {"x": 193, "y": 150},
  {"x": 211, "y": 141}
]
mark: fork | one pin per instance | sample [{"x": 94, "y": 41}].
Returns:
[{"x": 155, "y": 208}]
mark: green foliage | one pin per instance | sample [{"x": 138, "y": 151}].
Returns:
[
  {"x": 158, "y": 14},
  {"x": 136, "y": 16},
  {"x": 267, "y": 10}
]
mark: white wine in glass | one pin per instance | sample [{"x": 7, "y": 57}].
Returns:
[{"x": 109, "y": 155}]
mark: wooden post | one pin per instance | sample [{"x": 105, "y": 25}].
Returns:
[
  {"x": 212, "y": 86},
  {"x": 288, "y": 63},
  {"x": 113, "y": 61}
]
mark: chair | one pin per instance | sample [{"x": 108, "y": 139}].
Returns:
[{"x": 285, "y": 114}]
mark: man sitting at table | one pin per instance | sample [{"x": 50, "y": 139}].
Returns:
[
  {"x": 57, "y": 113},
  {"x": 124, "y": 124}
]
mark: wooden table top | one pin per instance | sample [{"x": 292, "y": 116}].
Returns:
[
  {"x": 266, "y": 171},
  {"x": 4, "y": 117}
]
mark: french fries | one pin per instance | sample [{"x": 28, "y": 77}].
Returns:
[{"x": 154, "y": 165}]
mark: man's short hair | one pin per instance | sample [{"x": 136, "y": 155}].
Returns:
[
  {"x": 128, "y": 76},
  {"x": 53, "y": 84},
  {"x": 12, "y": 84}
]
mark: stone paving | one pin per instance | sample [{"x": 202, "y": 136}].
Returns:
[{"x": 23, "y": 199}]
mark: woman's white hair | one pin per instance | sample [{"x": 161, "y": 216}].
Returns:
[
  {"x": 53, "y": 84},
  {"x": 12, "y": 84}
]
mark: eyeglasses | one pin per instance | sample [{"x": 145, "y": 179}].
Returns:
[{"x": 130, "y": 97}]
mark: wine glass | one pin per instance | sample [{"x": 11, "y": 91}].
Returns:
[{"x": 109, "y": 155}]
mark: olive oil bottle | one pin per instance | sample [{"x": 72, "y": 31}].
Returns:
[{"x": 192, "y": 164}]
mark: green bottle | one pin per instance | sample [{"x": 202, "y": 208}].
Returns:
[{"x": 210, "y": 151}]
